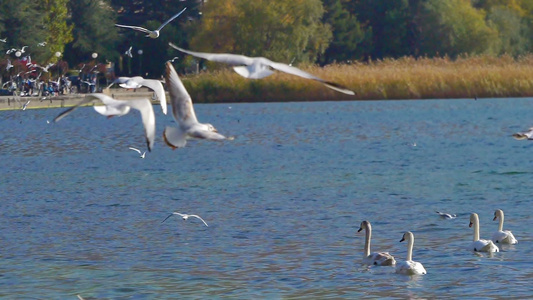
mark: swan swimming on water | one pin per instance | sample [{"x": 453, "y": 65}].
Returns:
[
  {"x": 478, "y": 244},
  {"x": 374, "y": 258},
  {"x": 409, "y": 266},
  {"x": 502, "y": 236}
]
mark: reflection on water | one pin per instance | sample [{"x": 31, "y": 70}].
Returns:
[{"x": 81, "y": 213}]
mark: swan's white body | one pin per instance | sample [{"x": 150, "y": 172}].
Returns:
[
  {"x": 478, "y": 244},
  {"x": 409, "y": 267},
  {"x": 138, "y": 82},
  {"x": 374, "y": 258},
  {"x": 152, "y": 33},
  {"x": 260, "y": 67},
  {"x": 502, "y": 236},
  {"x": 114, "y": 107},
  {"x": 183, "y": 112}
]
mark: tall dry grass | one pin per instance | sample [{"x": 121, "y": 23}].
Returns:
[{"x": 405, "y": 78}]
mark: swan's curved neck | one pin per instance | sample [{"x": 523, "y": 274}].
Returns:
[
  {"x": 410, "y": 244},
  {"x": 476, "y": 228},
  {"x": 500, "y": 226},
  {"x": 368, "y": 235}
]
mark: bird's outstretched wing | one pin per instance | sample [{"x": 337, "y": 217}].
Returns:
[
  {"x": 135, "y": 149},
  {"x": 195, "y": 216},
  {"x": 170, "y": 20},
  {"x": 138, "y": 28},
  {"x": 233, "y": 59}
]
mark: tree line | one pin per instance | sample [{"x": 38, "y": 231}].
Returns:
[{"x": 297, "y": 31}]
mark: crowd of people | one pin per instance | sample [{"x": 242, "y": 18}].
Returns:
[{"x": 37, "y": 87}]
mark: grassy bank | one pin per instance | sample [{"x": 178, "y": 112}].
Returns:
[{"x": 405, "y": 78}]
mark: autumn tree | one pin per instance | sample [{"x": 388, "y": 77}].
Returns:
[
  {"x": 59, "y": 33},
  {"x": 278, "y": 29},
  {"x": 454, "y": 27}
]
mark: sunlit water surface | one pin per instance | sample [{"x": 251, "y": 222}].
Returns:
[{"x": 81, "y": 213}]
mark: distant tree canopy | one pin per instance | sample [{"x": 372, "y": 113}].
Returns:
[
  {"x": 303, "y": 31},
  {"x": 278, "y": 29}
]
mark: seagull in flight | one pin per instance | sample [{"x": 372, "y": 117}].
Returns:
[
  {"x": 446, "y": 216},
  {"x": 4, "y": 40},
  {"x": 26, "y": 105},
  {"x": 260, "y": 67},
  {"x": 113, "y": 107},
  {"x": 152, "y": 34},
  {"x": 128, "y": 52},
  {"x": 185, "y": 217},
  {"x": 9, "y": 65},
  {"x": 42, "y": 44},
  {"x": 138, "y": 82},
  {"x": 183, "y": 112},
  {"x": 142, "y": 154},
  {"x": 526, "y": 135}
]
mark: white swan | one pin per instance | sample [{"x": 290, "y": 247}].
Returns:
[
  {"x": 410, "y": 267},
  {"x": 480, "y": 245},
  {"x": 502, "y": 236},
  {"x": 375, "y": 258}
]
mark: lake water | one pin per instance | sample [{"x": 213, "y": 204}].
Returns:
[{"x": 81, "y": 213}]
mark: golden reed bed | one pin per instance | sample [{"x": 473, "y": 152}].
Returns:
[{"x": 404, "y": 78}]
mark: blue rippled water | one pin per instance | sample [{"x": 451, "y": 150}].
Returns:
[{"x": 81, "y": 213}]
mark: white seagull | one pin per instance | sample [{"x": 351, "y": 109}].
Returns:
[
  {"x": 42, "y": 44},
  {"x": 22, "y": 50},
  {"x": 446, "y": 216},
  {"x": 260, "y": 67},
  {"x": 152, "y": 34},
  {"x": 26, "y": 105},
  {"x": 142, "y": 154},
  {"x": 138, "y": 82},
  {"x": 114, "y": 107},
  {"x": 4, "y": 40},
  {"x": 9, "y": 65},
  {"x": 526, "y": 135},
  {"x": 185, "y": 217},
  {"x": 128, "y": 52},
  {"x": 183, "y": 112}
]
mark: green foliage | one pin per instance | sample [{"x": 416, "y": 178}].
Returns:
[
  {"x": 347, "y": 33},
  {"x": 512, "y": 30},
  {"x": 454, "y": 27},
  {"x": 278, "y": 29},
  {"x": 21, "y": 23},
  {"x": 55, "y": 23},
  {"x": 93, "y": 31}
]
